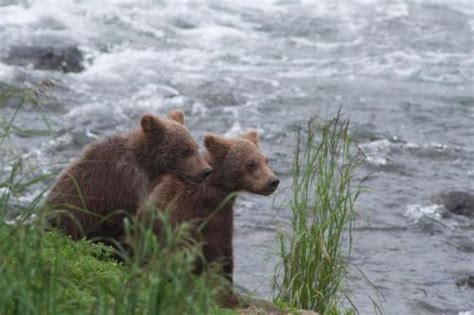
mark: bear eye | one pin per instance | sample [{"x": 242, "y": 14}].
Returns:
[
  {"x": 251, "y": 166},
  {"x": 187, "y": 153},
  {"x": 266, "y": 161}
]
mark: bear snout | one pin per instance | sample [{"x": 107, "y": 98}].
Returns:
[
  {"x": 206, "y": 173},
  {"x": 270, "y": 187},
  {"x": 273, "y": 183}
]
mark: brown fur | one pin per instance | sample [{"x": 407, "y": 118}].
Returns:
[
  {"x": 113, "y": 176},
  {"x": 238, "y": 165}
]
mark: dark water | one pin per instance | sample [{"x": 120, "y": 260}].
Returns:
[{"x": 402, "y": 70}]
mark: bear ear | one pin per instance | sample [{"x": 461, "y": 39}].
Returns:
[
  {"x": 216, "y": 146},
  {"x": 177, "y": 116},
  {"x": 151, "y": 124},
  {"x": 251, "y": 136}
]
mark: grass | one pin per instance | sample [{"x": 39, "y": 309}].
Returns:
[
  {"x": 311, "y": 263},
  {"x": 43, "y": 272},
  {"x": 25, "y": 99},
  {"x": 47, "y": 273}
]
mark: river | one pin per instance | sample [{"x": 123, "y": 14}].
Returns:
[{"x": 402, "y": 70}]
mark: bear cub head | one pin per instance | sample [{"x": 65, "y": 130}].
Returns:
[
  {"x": 244, "y": 166},
  {"x": 169, "y": 148}
]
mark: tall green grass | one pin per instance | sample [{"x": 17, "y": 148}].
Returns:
[
  {"x": 44, "y": 272},
  {"x": 311, "y": 261}
]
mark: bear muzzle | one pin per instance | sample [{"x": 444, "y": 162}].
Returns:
[
  {"x": 206, "y": 173},
  {"x": 201, "y": 176},
  {"x": 271, "y": 186}
]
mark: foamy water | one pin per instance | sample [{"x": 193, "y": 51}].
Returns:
[{"x": 419, "y": 212}]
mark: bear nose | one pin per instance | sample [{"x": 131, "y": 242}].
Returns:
[
  {"x": 274, "y": 183},
  {"x": 206, "y": 172}
]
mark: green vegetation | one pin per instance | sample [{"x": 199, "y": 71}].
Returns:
[
  {"x": 311, "y": 266},
  {"x": 46, "y": 273}
]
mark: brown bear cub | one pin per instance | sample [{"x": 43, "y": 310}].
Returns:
[
  {"x": 238, "y": 165},
  {"x": 114, "y": 176}
]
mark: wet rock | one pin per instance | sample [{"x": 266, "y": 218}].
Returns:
[
  {"x": 260, "y": 307},
  {"x": 456, "y": 202},
  {"x": 362, "y": 133},
  {"x": 466, "y": 281},
  {"x": 462, "y": 242},
  {"x": 65, "y": 59},
  {"x": 266, "y": 311}
]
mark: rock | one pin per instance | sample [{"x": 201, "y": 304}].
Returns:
[
  {"x": 266, "y": 311},
  {"x": 257, "y": 306},
  {"x": 65, "y": 59},
  {"x": 466, "y": 281},
  {"x": 258, "y": 311},
  {"x": 261, "y": 307},
  {"x": 456, "y": 202}
]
